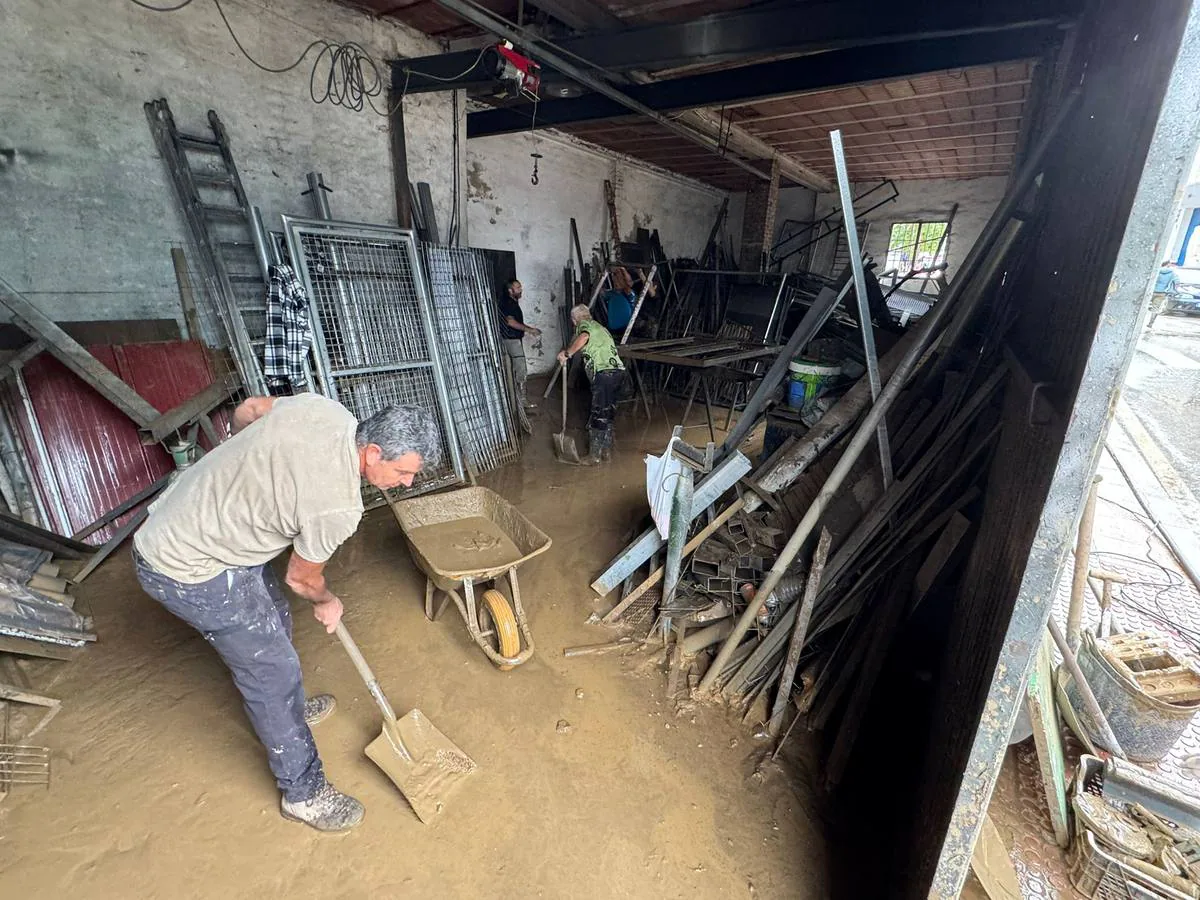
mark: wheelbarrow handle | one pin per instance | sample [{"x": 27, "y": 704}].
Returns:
[{"x": 365, "y": 672}]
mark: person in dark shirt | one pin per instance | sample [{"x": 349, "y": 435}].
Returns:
[{"x": 513, "y": 330}]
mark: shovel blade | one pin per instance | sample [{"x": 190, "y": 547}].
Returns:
[
  {"x": 564, "y": 448},
  {"x": 436, "y": 768}
]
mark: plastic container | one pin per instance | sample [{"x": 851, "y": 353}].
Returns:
[
  {"x": 1146, "y": 727},
  {"x": 809, "y": 378}
]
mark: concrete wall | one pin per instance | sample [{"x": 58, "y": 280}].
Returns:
[
  {"x": 929, "y": 201},
  {"x": 88, "y": 213},
  {"x": 506, "y": 212}
]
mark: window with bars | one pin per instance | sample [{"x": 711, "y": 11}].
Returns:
[{"x": 916, "y": 245}]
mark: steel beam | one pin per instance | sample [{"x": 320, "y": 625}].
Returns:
[
  {"x": 776, "y": 29},
  {"x": 817, "y": 28},
  {"x": 761, "y": 81},
  {"x": 482, "y": 18}
]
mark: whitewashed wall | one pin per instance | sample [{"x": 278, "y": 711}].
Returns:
[
  {"x": 506, "y": 212},
  {"x": 89, "y": 214}
]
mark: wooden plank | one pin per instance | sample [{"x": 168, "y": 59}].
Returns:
[
  {"x": 187, "y": 299},
  {"x": 42, "y": 649},
  {"x": 1043, "y": 713},
  {"x": 22, "y": 532},
  {"x": 15, "y": 694},
  {"x": 799, "y": 631},
  {"x": 992, "y": 866},
  {"x": 120, "y": 510},
  {"x": 75, "y": 356},
  {"x": 199, "y": 404},
  {"x": 941, "y": 553}
]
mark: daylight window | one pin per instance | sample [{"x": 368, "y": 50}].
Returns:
[{"x": 916, "y": 245}]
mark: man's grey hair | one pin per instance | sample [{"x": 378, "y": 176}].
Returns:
[
  {"x": 397, "y": 430},
  {"x": 580, "y": 313}
]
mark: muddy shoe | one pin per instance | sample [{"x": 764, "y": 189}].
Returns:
[
  {"x": 318, "y": 708},
  {"x": 326, "y": 810}
]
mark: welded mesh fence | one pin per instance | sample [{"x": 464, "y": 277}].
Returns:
[
  {"x": 373, "y": 331},
  {"x": 462, "y": 292}
]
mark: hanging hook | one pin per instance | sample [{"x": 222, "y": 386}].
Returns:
[{"x": 533, "y": 179}]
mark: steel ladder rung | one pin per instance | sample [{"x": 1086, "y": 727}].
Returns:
[
  {"x": 223, "y": 212},
  {"x": 213, "y": 180},
  {"x": 207, "y": 145}
]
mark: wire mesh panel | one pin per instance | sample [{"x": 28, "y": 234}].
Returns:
[
  {"x": 373, "y": 332},
  {"x": 465, "y": 312}
]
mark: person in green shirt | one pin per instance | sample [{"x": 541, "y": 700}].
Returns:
[{"x": 605, "y": 371}]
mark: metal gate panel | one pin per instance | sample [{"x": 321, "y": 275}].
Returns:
[
  {"x": 465, "y": 311},
  {"x": 374, "y": 340}
]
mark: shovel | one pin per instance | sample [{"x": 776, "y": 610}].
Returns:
[
  {"x": 424, "y": 764},
  {"x": 564, "y": 444}
]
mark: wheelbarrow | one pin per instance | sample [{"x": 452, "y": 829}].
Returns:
[{"x": 466, "y": 539}]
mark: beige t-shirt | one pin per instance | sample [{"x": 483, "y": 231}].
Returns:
[{"x": 290, "y": 478}]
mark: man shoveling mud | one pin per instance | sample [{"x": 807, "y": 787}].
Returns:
[{"x": 290, "y": 476}]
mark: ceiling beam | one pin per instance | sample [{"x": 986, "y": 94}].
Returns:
[
  {"x": 975, "y": 123},
  {"x": 906, "y": 117},
  {"x": 816, "y": 28},
  {"x": 765, "y": 80},
  {"x": 582, "y": 15},
  {"x": 759, "y": 116}
]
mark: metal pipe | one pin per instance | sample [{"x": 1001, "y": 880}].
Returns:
[
  {"x": 706, "y": 637},
  {"x": 860, "y": 291},
  {"x": 927, "y": 330},
  {"x": 319, "y": 195},
  {"x": 259, "y": 235},
  {"x": 593, "y": 649},
  {"x": 1083, "y": 550},
  {"x": 775, "y": 311},
  {"x": 490, "y": 22}
]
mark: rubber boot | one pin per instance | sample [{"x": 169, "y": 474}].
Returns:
[
  {"x": 606, "y": 446},
  {"x": 326, "y": 810},
  {"x": 595, "y": 447}
]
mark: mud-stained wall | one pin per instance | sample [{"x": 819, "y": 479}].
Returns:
[
  {"x": 506, "y": 212},
  {"x": 89, "y": 215}
]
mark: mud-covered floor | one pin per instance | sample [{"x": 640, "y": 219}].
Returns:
[{"x": 160, "y": 788}]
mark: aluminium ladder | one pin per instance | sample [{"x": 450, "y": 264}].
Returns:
[{"x": 225, "y": 239}]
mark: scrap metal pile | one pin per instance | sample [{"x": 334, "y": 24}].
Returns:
[{"x": 800, "y": 574}]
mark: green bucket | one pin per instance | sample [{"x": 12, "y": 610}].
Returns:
[{"x": 809, "y": 378}]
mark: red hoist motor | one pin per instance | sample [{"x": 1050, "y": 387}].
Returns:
[{"x": 520, "y": 75}]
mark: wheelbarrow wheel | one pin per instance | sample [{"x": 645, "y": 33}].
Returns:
[{"x": 506, "y": 636}]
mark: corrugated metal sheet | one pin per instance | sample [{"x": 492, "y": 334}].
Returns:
[{"x": 96, "y": 457}]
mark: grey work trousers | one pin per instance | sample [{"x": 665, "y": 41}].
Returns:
[
  {"x": 244, "y": 614},
  {"x": 515, "y": 348}
]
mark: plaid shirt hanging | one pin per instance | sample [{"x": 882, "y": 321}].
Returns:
[{"x": 288, "y": 332}]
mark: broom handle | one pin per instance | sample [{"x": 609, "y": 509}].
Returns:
[
  {"x": 365, "y": 672},
  {"x": 564, "y": 393}
]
